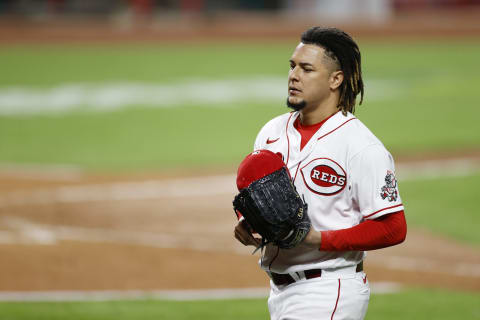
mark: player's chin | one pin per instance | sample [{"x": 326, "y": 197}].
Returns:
[{"x": 296, "y": 103}]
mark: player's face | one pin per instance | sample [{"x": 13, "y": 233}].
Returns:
[{"x": 309, "y": 78}]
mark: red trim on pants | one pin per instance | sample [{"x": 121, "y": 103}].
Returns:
[{"x": 336, "y": 303}]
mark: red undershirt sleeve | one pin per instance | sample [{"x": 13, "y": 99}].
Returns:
[{"x": 386, "y": 231}]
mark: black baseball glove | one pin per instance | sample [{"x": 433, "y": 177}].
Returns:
[{"x": 273, "y": 208}]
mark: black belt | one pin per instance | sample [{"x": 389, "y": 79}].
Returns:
[{"x": 281, "y": 279}]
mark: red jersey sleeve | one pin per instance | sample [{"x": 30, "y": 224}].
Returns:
[{"x": 382, "y": 232}]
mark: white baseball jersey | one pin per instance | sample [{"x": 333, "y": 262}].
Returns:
[{"x": 345, "y": 175}]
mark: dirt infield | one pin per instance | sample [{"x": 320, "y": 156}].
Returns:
[{"x": 74, "y": 231}]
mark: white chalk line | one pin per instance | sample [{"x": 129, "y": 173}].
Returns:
[
  {"x": 109, "y": 96},
  {"x": 173, "y": 295},
  {"x": 109, "y": 295},
  {"x": 205, "y": 186}
]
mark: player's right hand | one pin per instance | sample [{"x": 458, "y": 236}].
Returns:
[{"x": 244, "y": 234}]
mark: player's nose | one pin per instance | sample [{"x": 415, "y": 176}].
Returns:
[{"x": 293, "y": 75}]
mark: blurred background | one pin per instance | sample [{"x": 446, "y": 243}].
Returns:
[{"x": 122, "y": 124}]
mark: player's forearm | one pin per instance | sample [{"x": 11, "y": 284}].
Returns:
[{"x": 368, "y": 235}]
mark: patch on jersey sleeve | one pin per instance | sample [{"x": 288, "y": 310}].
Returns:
[
  {"x": 389, "y": 190},
  {"x": 324, "y": 176}
]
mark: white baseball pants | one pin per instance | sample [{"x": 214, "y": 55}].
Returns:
[{"x": 338, "y": 294}]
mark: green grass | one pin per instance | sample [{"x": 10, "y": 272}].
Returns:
[
  {"x": 424, "y": 304},
  {"x": 145, "y": 310},
  {"x": 445, "y": 205},
  {"x": 46, "y": 66},
  {"x": 434, "y": 105},
  {"x": 438, "y": 102},
  {"x": 135, "y": 138},
  {"x": 409, "y": 304}
]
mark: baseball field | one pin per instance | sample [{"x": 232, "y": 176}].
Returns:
[{"x": 117, "y": 166}]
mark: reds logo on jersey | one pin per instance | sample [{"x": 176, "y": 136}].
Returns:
[{"x": 324, "y": 176}]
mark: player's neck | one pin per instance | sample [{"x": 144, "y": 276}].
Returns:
[{"x": 310, "y": 116}]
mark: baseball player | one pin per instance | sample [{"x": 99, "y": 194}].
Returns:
[{"x": 346, "y": 177}]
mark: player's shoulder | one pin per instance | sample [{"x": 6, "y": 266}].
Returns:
[
  {"x": 362, "y": 133},
  {"x": 362, "y": 139}
]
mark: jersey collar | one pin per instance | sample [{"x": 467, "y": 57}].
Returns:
[{"x": 331, "y": 125}]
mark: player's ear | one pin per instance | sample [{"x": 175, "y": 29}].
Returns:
[{"x": 336, "y": 79}]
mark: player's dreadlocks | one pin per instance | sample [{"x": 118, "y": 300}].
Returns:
[{"x": 345, "y": 53}]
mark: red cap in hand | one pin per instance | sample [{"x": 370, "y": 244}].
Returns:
[{"x": 257, "y": 165}]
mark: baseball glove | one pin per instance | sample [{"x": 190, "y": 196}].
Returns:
[{"x": 270, "y": 204}]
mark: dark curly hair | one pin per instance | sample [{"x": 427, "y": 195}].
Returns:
[{"x": 344, "y": 52}]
